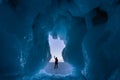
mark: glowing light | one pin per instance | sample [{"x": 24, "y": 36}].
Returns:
[{"x": 56, "y": 47}]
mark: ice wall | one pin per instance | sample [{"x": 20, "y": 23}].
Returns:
[
  {"x": 24, "y": 48},
  {"x": 73, "y": 50},
  {"x": 99, "y": 44}
]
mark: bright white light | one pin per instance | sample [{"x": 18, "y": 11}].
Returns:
[{"x": 56, "y": 47}]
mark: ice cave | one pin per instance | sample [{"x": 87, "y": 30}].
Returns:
[{"x": 83, "y": 34}]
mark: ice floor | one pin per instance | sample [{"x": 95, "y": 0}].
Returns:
[
  {"x": 64, "y": 72},
  {"x": 63, "y": 69}
]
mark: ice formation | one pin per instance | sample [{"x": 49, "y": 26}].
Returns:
[{"x": 90, "y": 30}]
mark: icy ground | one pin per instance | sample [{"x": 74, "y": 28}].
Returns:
[
  {"x": 63, "y": 69},
  {"x": 64, "y": 72}
]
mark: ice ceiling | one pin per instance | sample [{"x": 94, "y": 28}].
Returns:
[{"x": 90, "y": 30}]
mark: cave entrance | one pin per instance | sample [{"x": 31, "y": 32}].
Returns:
[{"x": 56, "y": 48}]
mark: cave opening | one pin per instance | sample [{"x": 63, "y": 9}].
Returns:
[{"x": 56, "y": 47}]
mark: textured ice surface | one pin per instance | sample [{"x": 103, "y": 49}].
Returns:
[{"x": 90, "y": 29}]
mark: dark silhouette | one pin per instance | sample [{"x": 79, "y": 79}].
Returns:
[{"x": 56, "y": 62}]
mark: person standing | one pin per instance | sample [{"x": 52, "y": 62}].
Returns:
[{"x": 56, "y": 62}]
